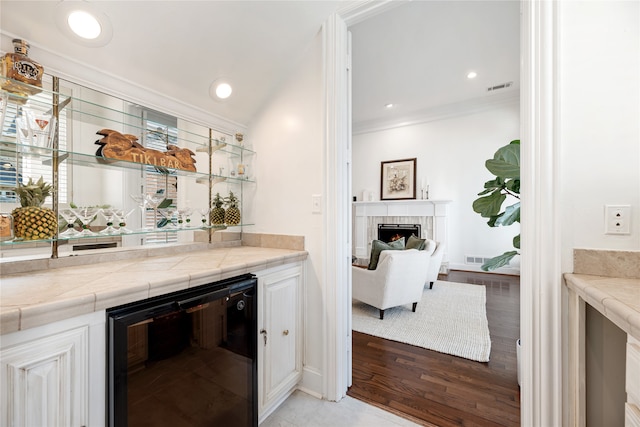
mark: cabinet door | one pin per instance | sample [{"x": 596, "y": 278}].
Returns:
[
  {"x": 281, "y": 353},
  {"x": 44, "y": 381}
]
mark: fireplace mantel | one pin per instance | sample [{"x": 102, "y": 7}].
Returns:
[
  {"x": 437, "y": 209},
  {"x": 403, "y": 207}
]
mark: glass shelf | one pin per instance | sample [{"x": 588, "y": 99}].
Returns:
[
  {"x": 116, "y": 235},
  {"x": 82, "y": 112},
  {"x": 96, "y": 161},
  {"x": 80, "y": 108}
]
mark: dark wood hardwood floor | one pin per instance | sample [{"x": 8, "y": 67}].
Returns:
[{"x": 436, "y": 389}]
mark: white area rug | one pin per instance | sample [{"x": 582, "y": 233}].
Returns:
[{"x": 451, "y": 318}]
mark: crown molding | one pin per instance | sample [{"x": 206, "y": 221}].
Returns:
[
  {"x": 355, "y": 12},
  {"x": 442, "y": 112},
  {"x": 78, "y": 72}
]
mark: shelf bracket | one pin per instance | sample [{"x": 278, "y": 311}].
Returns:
[
  {"x": 61, "y": 158},
  {"x": 213, "y": 179},
  {"x": 61, "y": 106},
  {"x": 219, "y": 145}
]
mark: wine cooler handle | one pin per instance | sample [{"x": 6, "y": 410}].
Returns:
[
  {"x": 264, "y": 334},
  {"x": 202, "y": 299}
]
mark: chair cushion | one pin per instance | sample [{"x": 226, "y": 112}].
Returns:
[
  {"x": 378, "y": 246},
  {"x": 415, "y": 243}
]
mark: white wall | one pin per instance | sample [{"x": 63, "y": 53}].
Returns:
[
  {"x": 288, "y": 138},
  {"x": 600, "y": 121},
  {"x": 450, "y": 154},
  {"x": 599, "y": 151}
]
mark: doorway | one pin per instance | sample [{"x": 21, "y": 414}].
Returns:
[
  {"x": 542, "y": 396},
  {"x": 381, "y": 125}
]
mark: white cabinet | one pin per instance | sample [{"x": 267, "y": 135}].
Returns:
[
  {"x": 54, "y": 375},
  {"x": 280, "y": 335},
  {"x": 632, "y": 407}
]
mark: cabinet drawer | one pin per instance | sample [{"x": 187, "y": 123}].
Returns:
[
  {"x": 631, "y": 415},
  {"x": 633, "y": 371}
]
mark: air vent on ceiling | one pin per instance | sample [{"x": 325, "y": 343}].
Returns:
[{"x": 500, "y": 86}]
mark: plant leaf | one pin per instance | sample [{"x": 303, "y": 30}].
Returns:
[
  {"x": 492, "y": 220},
  {"x": 513, "y": 185},
  {"x": 516, "y": 242},
  {"x": 505, "y": 162},
  {"x": 499, "y": 261},
  {"x": 494, "y": 183},
  {"x": 511, "y": 214},
  {"x": 490, "y": 205}
]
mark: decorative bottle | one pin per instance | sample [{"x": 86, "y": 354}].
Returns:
[
  {"x": 19, "y": 67},
  {"x": 6, "y": 227}
]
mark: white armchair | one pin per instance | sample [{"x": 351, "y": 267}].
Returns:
[
  {"x": 435, "y": 262},
  {"x": 399, "y": 279}
]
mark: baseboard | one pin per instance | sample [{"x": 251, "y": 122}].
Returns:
[
  {"x": 503, "y": 270},
  {"x": 275, "y": 405},
  {"x": 311, "y": 382},
  {"x": 310, "y": 392}
]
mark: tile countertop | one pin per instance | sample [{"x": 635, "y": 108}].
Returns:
[
  {"x": 617, "y": 299},
  {"x": 36, "y": 298},
  {"x": 609, "y": 281}
]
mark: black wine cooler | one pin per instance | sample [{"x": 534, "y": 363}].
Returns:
[{"x": 185, "y": 359}]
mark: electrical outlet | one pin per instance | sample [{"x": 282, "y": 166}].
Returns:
[{"x": 617, "y": 219}]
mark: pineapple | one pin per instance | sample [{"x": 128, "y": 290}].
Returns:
[
  {"x": 217, "y": 213},
  {"x": 232, "y": 215},
  {"x": 31, "y": 221}
]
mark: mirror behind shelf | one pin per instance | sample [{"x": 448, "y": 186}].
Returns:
[{"x": 131, "y": 204}]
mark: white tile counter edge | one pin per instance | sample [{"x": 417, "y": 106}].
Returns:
[
  {"x": 95, "y": 293},
  {"x": 618, "y": 299}
]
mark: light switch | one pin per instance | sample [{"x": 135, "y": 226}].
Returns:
[{"x": 316, "y": 203}]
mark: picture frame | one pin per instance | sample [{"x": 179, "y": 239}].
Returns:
[{"x": 398, "y": 179}]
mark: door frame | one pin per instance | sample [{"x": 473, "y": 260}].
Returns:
[{"x": 541, "y": 275}]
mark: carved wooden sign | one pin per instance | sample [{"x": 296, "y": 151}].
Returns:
[{"x": 117, "y": 146}]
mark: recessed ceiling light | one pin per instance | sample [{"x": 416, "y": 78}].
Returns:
[
  {"x": 220, "y": 89},
  {"x": 84, "y": 24},
  {"x": 223, "y": 90},
  {"x": 472, "y": 75},
  {"x": 389, "y": 105}
]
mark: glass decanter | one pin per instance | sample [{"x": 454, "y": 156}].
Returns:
[{"x": 17, "y": 66}]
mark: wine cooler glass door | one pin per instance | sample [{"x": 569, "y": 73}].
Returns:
[{"x": 186, "y": 362}]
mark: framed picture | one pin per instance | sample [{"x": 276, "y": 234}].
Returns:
[{"x": 398, "y": 180}]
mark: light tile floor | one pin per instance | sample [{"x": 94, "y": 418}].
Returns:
[{"x": 303, "y": 410}]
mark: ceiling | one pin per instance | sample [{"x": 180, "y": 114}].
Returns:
[{"x": 415, "y": 55}]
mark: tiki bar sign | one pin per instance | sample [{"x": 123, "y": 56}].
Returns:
[{"x": 117, "y": 146}]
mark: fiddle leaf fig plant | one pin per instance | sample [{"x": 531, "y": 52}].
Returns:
[{"x": 505, "y": 166}]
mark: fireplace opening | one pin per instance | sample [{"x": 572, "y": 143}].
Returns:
[{"x": 392, "y": 232}]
